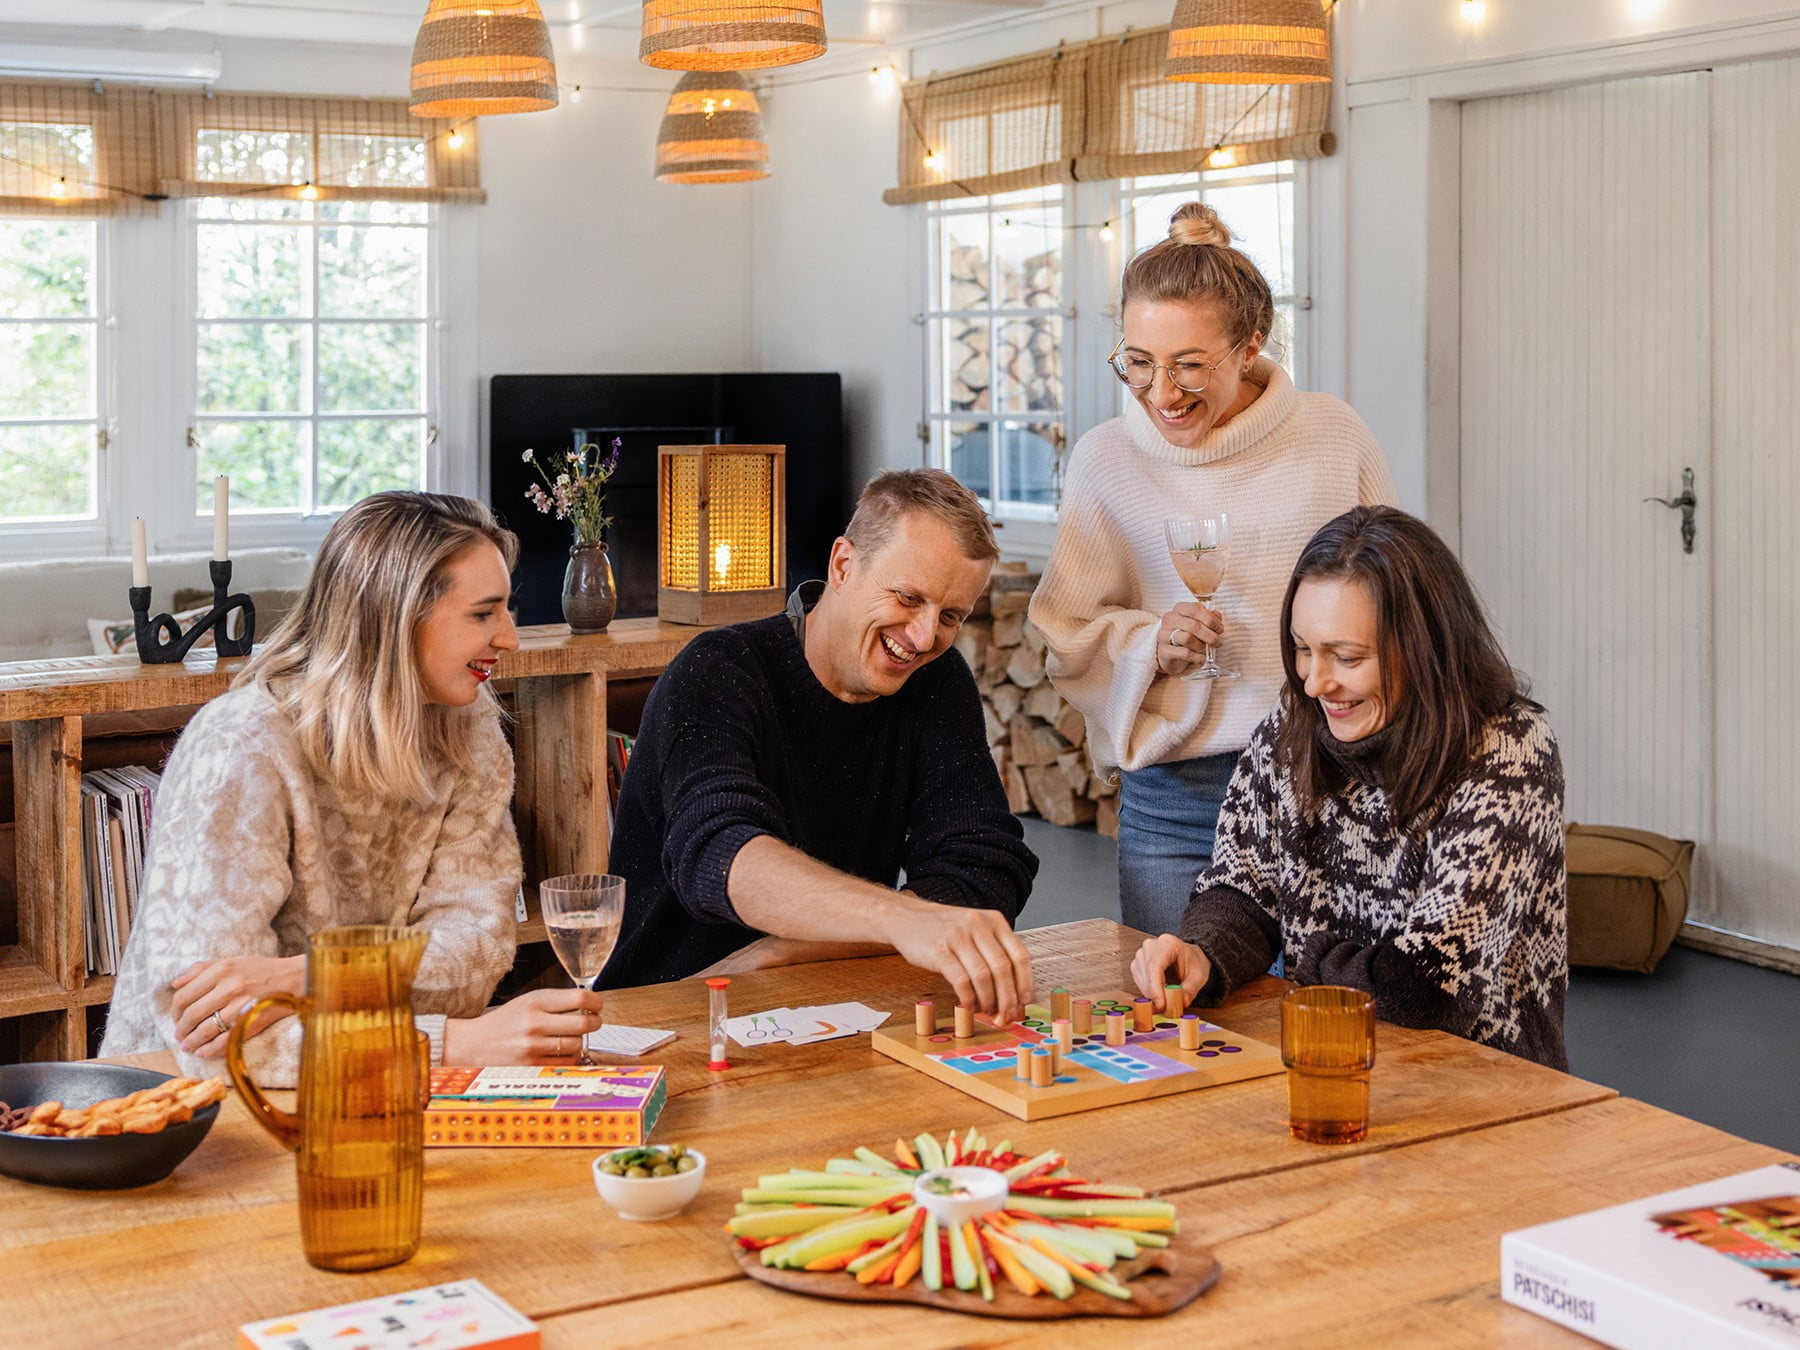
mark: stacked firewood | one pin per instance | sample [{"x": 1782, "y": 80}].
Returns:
[{"x": 1038, "y": 740}]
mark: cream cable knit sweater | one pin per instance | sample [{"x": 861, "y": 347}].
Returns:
[
  {"x": 1281, "y": 468},
  {"x": 251, "y": 853}
]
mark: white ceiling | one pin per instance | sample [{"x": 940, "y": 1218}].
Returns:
[{"x": 599, "y": 28}]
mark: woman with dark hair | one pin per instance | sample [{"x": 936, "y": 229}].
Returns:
[{"x": 1396, "y": 825}]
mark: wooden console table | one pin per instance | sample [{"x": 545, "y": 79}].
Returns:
[{"x": 51, "y": 708}]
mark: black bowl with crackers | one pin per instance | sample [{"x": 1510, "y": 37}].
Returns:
[{"x": 155, "y": 1129}]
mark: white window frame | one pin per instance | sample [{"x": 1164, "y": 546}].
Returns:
[
  {"x": 48, "y": 538},
  {"x": 182, "y": 503},
  {"x": 1097, "y": 245}
]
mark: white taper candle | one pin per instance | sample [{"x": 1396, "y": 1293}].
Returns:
[
  {"x": 221, "y": 518},
  {"x": 140, "y": 553}
]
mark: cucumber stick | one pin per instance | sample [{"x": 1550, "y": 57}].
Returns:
[
  {"x": 962, "y": 1261},
  {"x": 931, "y": 1268},
  {"x": 823, "y": 1242},
  {"x": 931, "y": 1153}
]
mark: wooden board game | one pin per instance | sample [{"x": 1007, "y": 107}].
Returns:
[{"x": 1091, "y": 1074}]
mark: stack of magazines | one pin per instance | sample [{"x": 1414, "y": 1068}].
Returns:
[{"x": 115, "y": 830}]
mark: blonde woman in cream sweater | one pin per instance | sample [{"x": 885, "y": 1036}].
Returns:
[
  {"x": 1213, "y": 425},
  {"x": 355, "y": 773}
]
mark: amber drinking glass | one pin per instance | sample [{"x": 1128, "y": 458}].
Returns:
[
  {"x": 359, "y": 1133},
  {"x": 1328, "y": 1045}
]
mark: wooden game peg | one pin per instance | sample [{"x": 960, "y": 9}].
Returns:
[
  {"x": 1176, "y": 999},
  {"x": 1059, "y": 1004},
  {"x": 1042, "y": 1074},
  {"x": 1022, "y": 1068},
  {"x": 1190, "y": 1031},
  {"x": 1082, "y": 1014},
  {"x": 925, "y": 1018},
  {"x": 965, "y": 1022},
  {"x": 1055, "y": 1058},
  {"x": 1064, "y": 1032},
  {"x": 1115, "y": 1028},
  {"x": 1143, "y": 1014}
]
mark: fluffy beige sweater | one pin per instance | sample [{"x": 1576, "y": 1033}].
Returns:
[
  {"x": 251, "y": 853},
  {"x": 1280, "y": 469}
]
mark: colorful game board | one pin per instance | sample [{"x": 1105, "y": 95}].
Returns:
[
  {"x": 1094, "y": 1074},
  {"x": 1762, "y": 1234}
]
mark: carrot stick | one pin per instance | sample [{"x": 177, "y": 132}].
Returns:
[
  {"x": 910, "y": 1261},
  {"x": 1016, "y": 1274},
  {"x": 904, "y": 1155}
]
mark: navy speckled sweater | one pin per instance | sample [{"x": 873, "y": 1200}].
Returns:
[{"x": 740, "y": 739}]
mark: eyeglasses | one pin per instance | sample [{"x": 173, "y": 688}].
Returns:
[{"x": 1139, "y": 373}]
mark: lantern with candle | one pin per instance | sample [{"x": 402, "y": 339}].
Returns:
[{"x": 721, "y": 532}]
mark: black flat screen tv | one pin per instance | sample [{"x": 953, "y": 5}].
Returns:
[{"x": 552, "y": 414}]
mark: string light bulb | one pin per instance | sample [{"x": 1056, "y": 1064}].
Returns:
[
  {"x": 575, "y": 94},
  {"x": 310, "y": 193},
  {"x": 1474, "y": 11},
  {"x": 59, "y": 187},
  {"x": 934, "y": 161},
  {"x": 1106, "y": 233},
  {"x": 1224, "y": 157},
  {"x": 455, "y": 139}
]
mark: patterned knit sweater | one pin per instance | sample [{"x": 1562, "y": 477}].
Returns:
[
  {"x": 1280, "y": 469},
  {"x": 1462, "y": 928},
  {"x": 251, "y": 853}
]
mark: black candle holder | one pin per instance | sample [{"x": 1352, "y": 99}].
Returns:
[{"x": 160, "y": 641}]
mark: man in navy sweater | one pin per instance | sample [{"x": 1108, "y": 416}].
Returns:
[{"x": 791, "y": 769}]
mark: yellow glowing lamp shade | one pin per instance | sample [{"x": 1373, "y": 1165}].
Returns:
[
  {"x": 1249, "y": 42},
  {"x": 730, "y": 34},
  {"x": 712, "y": 131},
  {"x": 721, "y": 532},
  {"x": 477, "y": 58}
]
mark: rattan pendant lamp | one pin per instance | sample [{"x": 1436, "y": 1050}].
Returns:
[
  {"x": 712, "y": 131},
  {"x": 1249, "y": 42},
  {"x": 476, "y": 58},
  {"x": 730, "y": 34}
]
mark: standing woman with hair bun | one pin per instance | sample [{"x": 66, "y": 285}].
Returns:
[{"x": 1213, "y": 426}]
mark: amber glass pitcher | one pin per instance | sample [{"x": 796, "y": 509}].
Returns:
[{"x": 358, "y": 1131}]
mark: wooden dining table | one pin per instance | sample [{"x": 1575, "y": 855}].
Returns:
[{"x": 1394, "y": 1240}]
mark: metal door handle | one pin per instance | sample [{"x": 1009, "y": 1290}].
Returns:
[{"x": 1685, "y": 503}]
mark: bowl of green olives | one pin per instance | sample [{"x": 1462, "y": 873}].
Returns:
[{"x": 652, "y": 1181}]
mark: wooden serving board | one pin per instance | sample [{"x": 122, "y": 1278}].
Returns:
[{"x": 1160, "y": 1279}]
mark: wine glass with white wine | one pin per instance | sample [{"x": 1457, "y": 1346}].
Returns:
[
  {"x": 582, "y": 915},
  {"x": 1199, "y": 548}
]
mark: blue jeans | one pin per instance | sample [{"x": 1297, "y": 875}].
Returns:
[{"x": 1167, "y": 814}]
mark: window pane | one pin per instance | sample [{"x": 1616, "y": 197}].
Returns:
[
  {"x": 368, "y": 455},
  {"x": 1028, "y": 257},
  {"x": 1150, "y": 215},
  {"x": 376, "y": 213},
  {"x": 252, "y": 208},
  {"x": 964, "y": 255},
  {"x": 371, "y": 272},
  {"x": 371, "y": 367},
  {"x": 49, "y": 370},
  {"x": 1030, "y": 365},
  {"x": 251, "y": 367},
  {"x": 46, "y": 268},
  {"x": 263, "y": 459},
  {"x": 253, "y": 157},
  {"x": 1028, "y": 463},
  {"x": 966, "y": 374},
  {"x": 1281, "y": 350},
  {"x": 251, "y": 271},
  {"x": 1260, "y": 219},
  {"x": 46, "y": 472},
  {"x": 372, "y": 161},
  {"x": 968, "y": 457}
]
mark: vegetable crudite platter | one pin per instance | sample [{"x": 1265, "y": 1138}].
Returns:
[
  {"x": 1077, "y": 1054},
  {"x": 969, "y": 1226}
]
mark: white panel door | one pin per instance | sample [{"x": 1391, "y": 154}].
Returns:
[
  {"x": 1754, "y": 862},
  {"x": 1585, "y": 389}
]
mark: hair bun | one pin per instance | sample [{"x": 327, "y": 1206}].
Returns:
[{"x": 1197, "y": 223}]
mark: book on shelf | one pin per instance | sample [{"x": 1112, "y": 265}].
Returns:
[
  {"x": 116, "y": 806},
  {"x": 1715, "y": 1265},
  {"x": 545, "y": 1106},
  {"x": 458, "y": 1315}
]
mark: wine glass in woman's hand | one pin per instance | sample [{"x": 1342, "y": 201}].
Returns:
[
  {"x": 1199, "y": 548},
  {"x": 583, "y": 914}
]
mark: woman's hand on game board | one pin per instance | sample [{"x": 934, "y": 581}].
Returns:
[{"x": 1149, "y": 968}]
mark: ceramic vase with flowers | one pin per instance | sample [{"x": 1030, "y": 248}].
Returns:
[{"x": 577, "y": 494}]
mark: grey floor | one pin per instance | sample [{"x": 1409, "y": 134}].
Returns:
[{"x": 1709, "y": 1038}]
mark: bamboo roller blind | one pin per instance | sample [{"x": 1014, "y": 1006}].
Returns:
[
  {"x": 1097, "y": 110},
  {"x": 117, "y": 152}
]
